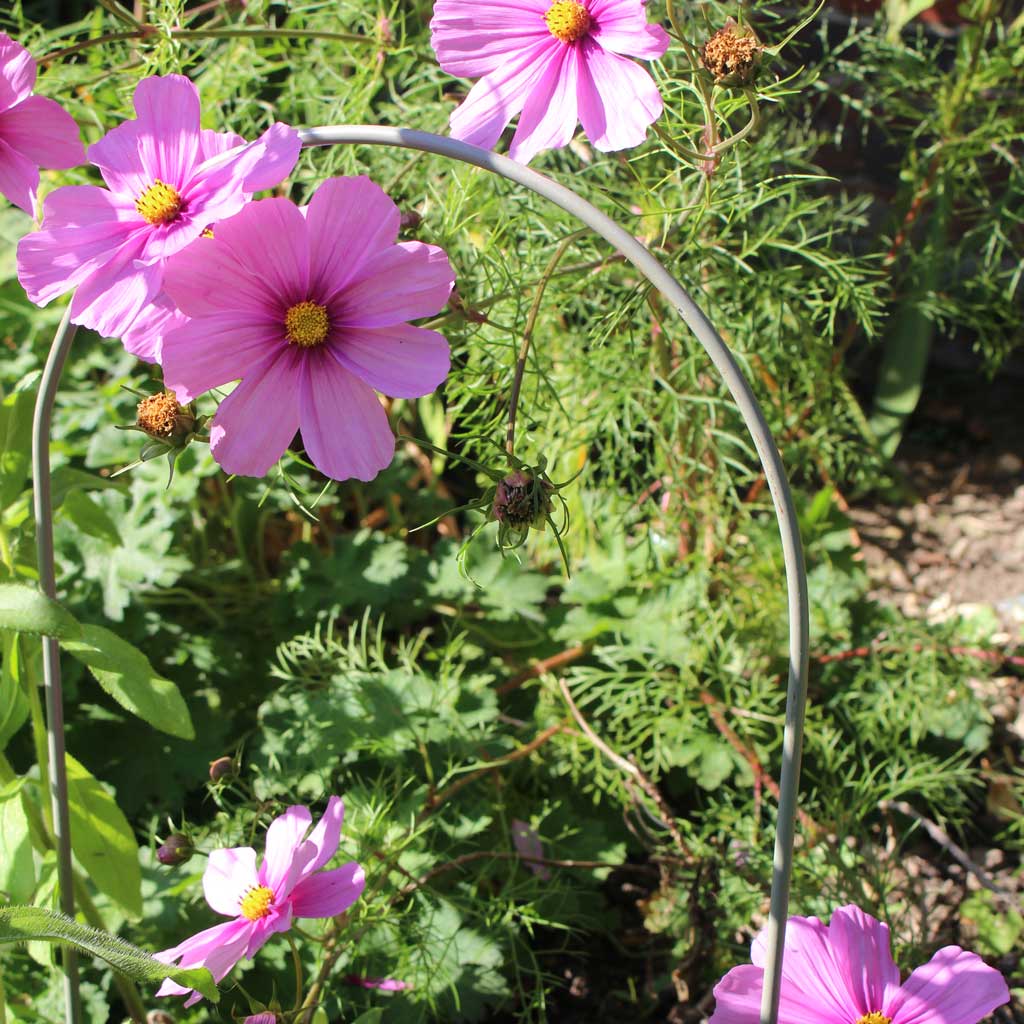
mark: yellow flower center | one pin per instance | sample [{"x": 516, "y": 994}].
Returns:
[
  {"x": 567, "y": 20},
  {"x": 257, "y": 903},
  {"x": 874, "y": 1018},
  {"x": 306, "y": 324},
  {"x": 159, "y": 204}
]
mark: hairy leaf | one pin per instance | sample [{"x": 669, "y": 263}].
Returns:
[{"x": 23, "y": 924}]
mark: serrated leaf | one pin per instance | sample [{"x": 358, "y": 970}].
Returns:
[
  {"x": 102, "y": 839},
  {"x": 24, "y": 924},
  {"x": 26, "y": 610},
  {"x": 90, "y": 517},
  {"x": 126, "y": 674}
]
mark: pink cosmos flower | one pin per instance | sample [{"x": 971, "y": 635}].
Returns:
[
  {"x": 309, "y": 308},
  {"x": 845, "y": 974},
  {"x": 168, "y": 181},
  {"x": 553, "y": 63},
  {"x": 34, "y": 132},
  {"x": 289, "y": 883}
]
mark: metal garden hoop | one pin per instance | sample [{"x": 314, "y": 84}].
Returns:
[{"x": 645, "y": 262}]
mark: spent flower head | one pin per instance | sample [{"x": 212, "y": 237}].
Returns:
[{"x": 732, "y": 54}]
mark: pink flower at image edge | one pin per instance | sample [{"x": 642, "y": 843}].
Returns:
[
  {"x": 553, "y": 64},
  {"x": 843, "y": 973},
  {"x": 310, "y": 312},
  {"x": 167, "y": 181},
  {"x": 263, "y": 901},
  {"x": 34, "y": 131}
]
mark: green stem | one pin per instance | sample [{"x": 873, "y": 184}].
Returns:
[{"x": 297, "y": 963}]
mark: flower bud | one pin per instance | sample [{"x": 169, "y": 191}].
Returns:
[
  {"x": 163, "y": 418},
  {"x": 176, "y": 850},
  {"x": 521, "y": 501},
  {"x": 261, "y": 1018},
  {"x": 223, "y": 768},
  {"x": 732, "y": 55}
]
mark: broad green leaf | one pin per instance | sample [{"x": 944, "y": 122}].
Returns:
[
  {"x": 15, "y": 444},
  {"x": 26, "y": 610},
  {"x": 102, "y": 840},
  {"x": 14, "y": 707},
  {"x": 126, "y": 674},
  {"x": 17, "y": 870},
  {"x": 90, "y": 517},
  {"x": 22, "y": 924},
  {"x": 373, "y": 1016}
]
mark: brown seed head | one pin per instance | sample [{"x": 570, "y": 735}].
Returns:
[
  {"x": 732, "y": 55},
  {"x": 161, "y": 416}
]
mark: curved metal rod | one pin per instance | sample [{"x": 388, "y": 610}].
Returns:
[
  {"x": 42, "y": 508},
  {"x": 792, "y": 550}
]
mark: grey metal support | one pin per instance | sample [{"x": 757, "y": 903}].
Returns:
[
  {"x": 792, "y": 550},
  {"x": 42, "y": 507}
]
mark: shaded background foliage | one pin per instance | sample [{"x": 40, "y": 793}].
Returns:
[{"x": 330, "y": 647}]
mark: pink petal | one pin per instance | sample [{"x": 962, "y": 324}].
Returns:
[
  {"x": 44, "y": 132},
  {"x": 168, "y": 122},
  {"x": 213, "y": 143},
  {"x": 620, "y": 26},
  {"x": 344, "y": 428},
  {"x": 284, "y": 838},
  {"x": 403, "y": 282},
  {"x": 268, "y": 242},
  {"x": 528, "y": 845},
  {"x": 111, "y": 299},
  {"x": 476, "y": 38},
  {"x": 258, "y": 420},
  {"x": 618, "y": 99},
  {"x": 220, "y": 187},
  {"x": 83, "y": 230},
  {"x": 812, "y": 981},
  {"x": 549, "y": 116},
  {"x": 327, "y": 834},
  {"x": 144, "y": 338},
  {"x": 350, "y": 220},
  {"x": 214, "y": 350},
  {"x": 19, "y": 178},
  {"x": 738, "y": 997},
  {"x": 206, "y": 279},
  {"x": 498, "y": 97},
  {"x": 229, "y": 875},
  {"x": 280, "y": 151},
  {"x": 861, "y": 949},
  {"x": 118, "y": 155},
  {"x": 17, "y": 72},
  {"x": 402, "y": 361},
  {"x": 328, "y": 893},
  {"x": 279, "y": 920},
  {"x": 954, "y": 987},
  {"x": 218, "y": 949}
]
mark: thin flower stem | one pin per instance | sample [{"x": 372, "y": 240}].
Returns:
[
  {"x": 208, "y": 33},
  {"x": 297, "y": 963},
  {"x": 42, "y": 505},
  {"x": 751, "y": 126},
  {"x": 524, "y": 348}
]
